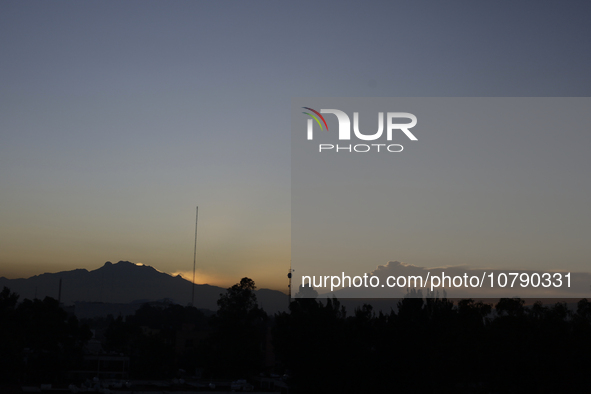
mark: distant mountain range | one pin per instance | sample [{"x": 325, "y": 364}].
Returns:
[
  {"x": 124, "y": 283},
  {"x": 121, "y": 288}
]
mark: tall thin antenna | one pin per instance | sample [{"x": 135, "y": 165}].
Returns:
[{"x": 194, "y": 257}]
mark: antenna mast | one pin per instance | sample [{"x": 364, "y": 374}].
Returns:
[{"x": 194, "y": 257}]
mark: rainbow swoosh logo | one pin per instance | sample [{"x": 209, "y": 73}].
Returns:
[{"x": 315, "y": 118}]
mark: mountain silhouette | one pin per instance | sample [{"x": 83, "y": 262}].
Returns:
[{"x": 125, "y": 282}]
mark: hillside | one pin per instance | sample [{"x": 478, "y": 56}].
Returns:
[{"x": 125, "y": 282}]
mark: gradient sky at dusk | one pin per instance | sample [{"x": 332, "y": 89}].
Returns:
[{"x": 118, "y": 118}]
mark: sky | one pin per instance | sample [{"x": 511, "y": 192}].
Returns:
[
  {"x": 489, "y": 183},
  {"x": 118, "y": 118}
]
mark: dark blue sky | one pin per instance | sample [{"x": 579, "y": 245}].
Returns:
[{"x": 117, "y": 118}]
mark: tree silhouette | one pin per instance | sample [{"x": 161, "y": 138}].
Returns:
[
  {"x": 239, "y": 302},
  {"x": 239, "y": 328},
  {"x": 510, "y": 307},
  {"x": 38, "y": 340}
]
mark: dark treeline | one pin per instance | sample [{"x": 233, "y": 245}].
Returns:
[
  {"x": 427, "y": 345},
  {"x": 41, "y": 343},
  {"x": 38, "y": 339},
  {"x": 432, "y": 345},
  {"x": 162, "y": 341}
]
